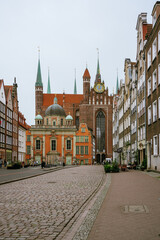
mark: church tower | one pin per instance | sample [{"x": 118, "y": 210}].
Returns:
[
  {"x": 86, "y": 86},
  {"x": 38, "y": 90}
]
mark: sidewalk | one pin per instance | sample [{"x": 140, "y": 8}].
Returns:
[{"x": 131, "y": 209}]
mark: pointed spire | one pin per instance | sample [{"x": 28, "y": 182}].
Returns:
[
  {"x": 49, "y": 87},
  {"x": 98, "y": 75},
  {"x": 117, "y": 85},
  {"x": 39, "y": 78},
  {"x": 75, "y": 85},
  {"x": 98, "y": 68}
]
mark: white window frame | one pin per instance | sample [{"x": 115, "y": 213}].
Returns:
[
  {"x": 155, "y": 147},
  {"x": 158, "y": 41},
  {"x": 158, "y": 74},
  {"x": 149, "y": 58},
  {"x": 154, "y": 49},
  {"x": 149, "y": 86},
  {"x": 154, "y": 80},
  {"x": 149, "y": 115},
  {"x": 154, "y": 111},
  {"x": 159, "y": 107}
]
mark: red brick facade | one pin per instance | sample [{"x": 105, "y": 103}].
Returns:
[{"x": 85, "y": 108}]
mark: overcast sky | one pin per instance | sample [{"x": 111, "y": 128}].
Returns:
[{"x": 68, "y": 33}]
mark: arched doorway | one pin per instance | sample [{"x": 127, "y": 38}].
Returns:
[{"x": 100, "y": 134}]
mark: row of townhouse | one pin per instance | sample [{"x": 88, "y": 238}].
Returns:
[
  {"x": 136, "y": 107},
  {"x": 12, "y": 126}
]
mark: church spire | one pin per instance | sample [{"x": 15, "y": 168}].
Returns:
[
  {"x": 49, "y": 87},
  {"x": 98, "y": 75},
  {"x": 117, "y": 85},
  {"x": 75, "y": 85},
  {"x": 39, "y": 77}
]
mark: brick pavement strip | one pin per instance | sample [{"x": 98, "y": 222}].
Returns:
[
  {"x": 40, "y": 207},
  {"x": 140, "y": 194}
]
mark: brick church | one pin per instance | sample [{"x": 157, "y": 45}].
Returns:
[{"x": 93, "y": 107}]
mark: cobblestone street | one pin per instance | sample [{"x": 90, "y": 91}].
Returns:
[{"x": 40, "y": 207}]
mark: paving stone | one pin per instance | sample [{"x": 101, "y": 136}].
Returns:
[{"x": 36, "y": 209}]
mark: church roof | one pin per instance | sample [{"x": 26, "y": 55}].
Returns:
[
  {"x": 38, "y": 117},
  {"x": 39, "y": 77},
  {"x": 86, "y": 74},
  {"x": 68, "y": 98},
  {"x": 55, "y": 110},
  {"x": 69, "y": 117}
]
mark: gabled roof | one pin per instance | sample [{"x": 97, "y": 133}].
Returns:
[
  {"x": 68, "y": 98},
  {"x": 86, "y": 74},
  {"x": 1, "y": 82},
  {"x": 7, "y": 89}
]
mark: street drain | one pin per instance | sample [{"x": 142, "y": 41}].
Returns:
[
  {"x": 51, "y": 182},
  {"x": 135, "y": 209}
]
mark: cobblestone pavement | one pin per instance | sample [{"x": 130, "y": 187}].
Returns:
[
  {"x": 131, "y": 208},
  {"x": 40, "y": 207},
  {"x": 10, "y": 175}
]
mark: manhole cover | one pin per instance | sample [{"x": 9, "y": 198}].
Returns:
[
  {"x": 51, "y": 182},
  {"x": 135, "y": 209}
]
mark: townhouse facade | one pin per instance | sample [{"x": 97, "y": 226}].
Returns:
[
  {"x": 9, "y": 124},
  {"x": 139, "y": 98},
  {"x": 152, "y": 64}
]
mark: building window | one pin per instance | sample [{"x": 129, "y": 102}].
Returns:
[
  {"x": 82, "y": 150},
  {"x": 158, "y": 41},
  {"x": 83, "y": 130},
  {"x": 149, "y": 58},
  {"x": 158, "y": 74},
  {"x": 86, "y": 150},
  {"x": 53, "y": 145},
  {"x": 47, "y": 121},
  {"x": 38, "y": 145},
  {"x": 77, "y": 149},
  {"x": 82, "y": 139},
  {"x": 154, "y": 111},
  {"x": 77, "y": 138},
  {"x": 54, "y": 123},
  {"x": 68, "y": 144},
  {"x": 28, "y": 149},
  {"x": 149, "y": 86},
  {"x": 154, "y": 76},
  {"x": 154, "y": 49},
  {"x": 149, "y": 115},
  {"x": 61, "y": 121},
  {"x": 28, "y": 138},
  {"x": 155, "y": 145},
  {"x": 86, "y": 138},
  {"x": 100, "y": 131},
  {"x": 159, "y": 144},
  {"x": 159, "y": 107}
]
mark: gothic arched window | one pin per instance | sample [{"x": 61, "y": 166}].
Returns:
[{"x": 100, "y": 132}]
